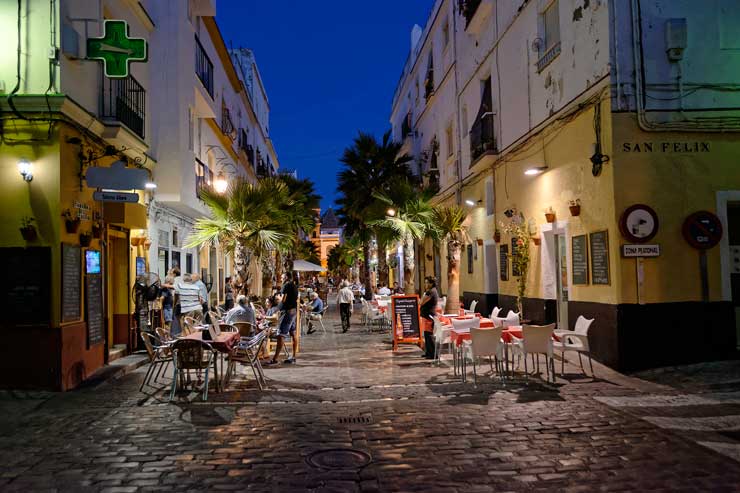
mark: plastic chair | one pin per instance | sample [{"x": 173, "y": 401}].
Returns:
[
  {"x": 575, "y": 340},
  {"x": 495, "y": 312},
  {"x": 441, "y": 337},
  {"x": 537, "y": 339},
  {"x": 159, "y": 357},
  {"x": 318, "y": 317},
  {"x": 511, "y": 320},
  {"x": 486, "y": 342},
  {"x": 468, "y": 323},
  {"x": 189, "y": 354},
  {"x": 473, "y": 304}
]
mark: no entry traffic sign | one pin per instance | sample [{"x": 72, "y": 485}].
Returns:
[{"x": 702, "y": 230}]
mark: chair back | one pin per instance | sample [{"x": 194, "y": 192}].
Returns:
[
  {"x": 442, "y": 302},
  {"x": 150, "y": 340},
  {"x": 583, "y": 324},
  {"x": 473, "y": 304},
  {"x": 466, "y": 323},
  {"x": 245, "y": 329},
  {"x": 163, "y": 334},
  {"x": 190, "y": 354},
  {"x": 512, "y": 319},
  {"x": 538, "y": 338},
  {"x": 486, "y": 342},
  {"x": 495, "y": 312}
]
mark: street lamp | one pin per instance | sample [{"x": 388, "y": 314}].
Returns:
[
  {"x": 220, "y": 184},
  {"x": 538, "y": 170},
  {"x": 25, "y": 169}
]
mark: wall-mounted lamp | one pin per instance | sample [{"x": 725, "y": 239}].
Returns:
[
  {"x": 220, "y": 184},
  {"x": 25, "y": 169},
  {"x": 391, "y": 212},
  {"x": 538, "y": 170},
  {"x": 150, "y": 185},
  {"x": 469, "y": 203}
]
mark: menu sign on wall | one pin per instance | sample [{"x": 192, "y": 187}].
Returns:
[
  {"x": 599, "y": 244},
  {"x": 504, "y": 262},
  {"x": 405, "y": 313},
  {"x": 94, "y": 304},
  {"x": 579, "y": 259},
  {"x": 71, "y": 283}
]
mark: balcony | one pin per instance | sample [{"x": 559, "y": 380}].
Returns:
[
  {"x": 429, "y": 86},
  {"x": 262, "y": 171},
  {"x": 124, "y": 100},
  {"x": 482, "y": 138},
  {"x": 227, "y": 125},
  {"x": 475, "y": 13},
  {"x": 406, "y": 126},
  {"x": 203, "y": 67},
  {"x": 548, "y": 57},
  {"x": 203, "y": 177}
]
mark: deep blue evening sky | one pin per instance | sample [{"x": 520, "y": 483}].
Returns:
[{"x": 330, "y": 68}]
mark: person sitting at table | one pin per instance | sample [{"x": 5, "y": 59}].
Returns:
[
  {"x": 315, "y": 306},
  {"x": 242, "y": 312},
  {"x": 397, "y": 289},
  {"x": 384, "y": 290},
  {"x": 427, "y": 310}
]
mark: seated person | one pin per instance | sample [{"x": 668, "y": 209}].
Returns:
[
  {"x": 315, "y": 307},
  {"x": 242, "y": 312},
  {"x": 384, "y": 290}
]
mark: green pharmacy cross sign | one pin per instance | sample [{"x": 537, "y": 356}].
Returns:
[{"x": 116, "y": 49}]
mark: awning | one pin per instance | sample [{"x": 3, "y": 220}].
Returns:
[{"x": 305, "y": 266}]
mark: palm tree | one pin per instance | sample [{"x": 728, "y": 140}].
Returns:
[
  {"x": 300, "y": 211},
  {"x": 370, "y": 167},
  {"x": 451, "y": 222},
  {"x": 249, "y": 220}
]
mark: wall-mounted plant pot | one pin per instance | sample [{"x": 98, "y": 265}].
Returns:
[
  {"x": 536, "y": 241},
  {"x": 147, "y": 243},
  {"x": 85, "y": 239},
  {"x": 137, "y": 240},
  {"x": 497, "y": 236},
  {"x": 72, "y": 225},
  {"x": 29, "y": 233},
  {"x": 97, "y": 231},
  {"x": 575, "y": 210},
  {"x": 479, "y": 241},
  {"x": 550, "y": 217}
]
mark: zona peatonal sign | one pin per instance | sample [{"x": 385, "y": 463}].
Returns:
[{"x": 116, "y": 49}]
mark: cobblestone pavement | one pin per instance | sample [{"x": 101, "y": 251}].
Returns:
[{"x": 422, "y": 429}]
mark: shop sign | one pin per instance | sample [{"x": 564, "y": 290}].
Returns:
[
  {"x": 630, "y": 251},
  {"x": 116, "y": 197},
  {"x": 405, "y": 322},
  {"x": 639, "y": 223},
  {"x": 116, "y": 49},
  {"x": 702, "y": 230},
  {"x": 117, "y": 177},
  {"x": 689, "y": 147}
]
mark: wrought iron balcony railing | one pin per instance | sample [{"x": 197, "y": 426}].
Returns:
[
  {"x": 227, "y": 125},
  {"x": 124, "y": 100},
  {"x": 203, "y": 67},
  {"x": 482, "y": 137}
]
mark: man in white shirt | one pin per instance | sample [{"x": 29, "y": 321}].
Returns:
[
  {"x": 345, "y": 300},
  {"x": 242, "y": 312},
  {"x": 384, "y": 290},
  {"x": 188, "y": 295}
]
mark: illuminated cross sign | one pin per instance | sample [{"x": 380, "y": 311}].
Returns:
[{"x": 116, "y": 49}]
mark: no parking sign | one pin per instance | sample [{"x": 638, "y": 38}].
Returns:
[{"x": 702, "y": 230}]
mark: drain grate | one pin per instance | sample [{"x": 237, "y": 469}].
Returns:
[
  {"x": 362, "y": 419},
  {"x": 339, "y": 458}
]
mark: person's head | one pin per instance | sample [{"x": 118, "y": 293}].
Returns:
[
  {"x": 175, "y": 271},
  {"x": 227, "y": 280},
  {"x": 430, "y": 282},
  {"x": 270, "y": 301},
  {"x": 344, "y": 284},
  {"x": 187, "y": 278},
  {"x": 395, "y": 284},
  {"x": 313, "y": 295},
  {"x": 241, "y": 300},
  {"x": 195, "y": 277},
  {"x": 169, "y": 279}
]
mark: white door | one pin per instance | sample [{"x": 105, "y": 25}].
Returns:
[{"x": 561, "y": 263}]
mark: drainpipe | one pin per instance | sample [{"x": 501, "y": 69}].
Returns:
[{"x": 458, "y": 165}]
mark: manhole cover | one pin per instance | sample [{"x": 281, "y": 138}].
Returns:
[{"x": 339, "y": 458}]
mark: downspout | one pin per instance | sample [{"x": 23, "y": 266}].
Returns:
[{"x": 458, "y": 164}]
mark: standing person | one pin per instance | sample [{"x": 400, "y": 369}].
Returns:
[
  {"x": 289, "y": 309},
  {"x": 228, "y": 295},
  {"x": 168, "y": 300},
  {"x": 427, "y": 310},
  {"x": 345, "y": 300},
  {"x": 188, "y": 297},
  {"x": 203, "y": 291}
]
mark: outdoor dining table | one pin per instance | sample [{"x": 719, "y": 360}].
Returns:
[{"x": 222, "y": 344}]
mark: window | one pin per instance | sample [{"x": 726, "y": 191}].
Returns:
[
  {"x": 175, "y": 238},
  {"x": 449, "y": 141},
  {"x": 489, "y": 197},
  {"x": 551, "y": 26},
  {"x": 445, "y": 34}
]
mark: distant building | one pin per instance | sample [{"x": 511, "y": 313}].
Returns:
[{"x": 327, "y": 234}]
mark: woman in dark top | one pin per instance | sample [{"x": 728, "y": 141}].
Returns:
[{"x": 427, "y": 310}]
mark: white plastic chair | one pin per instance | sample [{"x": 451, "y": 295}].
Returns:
[
  {"x": 575, "y": 340},
  {"x": 495, "y": 312},
  {"x": 471, "y": 311},
  {"x": 441, "y": 337},
  {"x": 537, "y": 339},
  {"x": 465, "y": 323},
  {"x": 511, "y": 320},
  {"x": 486, "y": 342}
]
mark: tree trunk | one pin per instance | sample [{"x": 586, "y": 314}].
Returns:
[
  {"x": 268, "y": 275},
  {"x": 409, "y": 266},
  {"x": 365, "y": 273},
  {"x": 242, "y": 258},
  {"x": 382, "y": 266},
  {"x": 454, "y": 248}
]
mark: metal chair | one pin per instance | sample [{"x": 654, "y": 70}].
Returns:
[
  {"x": 159, "y": 357},
  {"x": 247, "y": 353},
  {"x": 189, "y": 354},
  {"x": 318, "y": 317}
]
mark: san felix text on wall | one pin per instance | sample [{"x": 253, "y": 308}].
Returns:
[{"x": 667, "y": 147}]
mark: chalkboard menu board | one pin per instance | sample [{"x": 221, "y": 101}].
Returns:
[
  {"x": 26, "y": 290},
  {"x": 579, "y": 258},
  {"x": 71, "y": 283},
  {"x": 503, "y": 257},
  {"x": 94, "y": 303},
  {"x": 599, "y": 245},
  {"x": 405, "y": 313},
  {"x": 514, "y": 252}
]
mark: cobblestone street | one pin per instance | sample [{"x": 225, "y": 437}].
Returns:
[{"x": 422, "y": 429}]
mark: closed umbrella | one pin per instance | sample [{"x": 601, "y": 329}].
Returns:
[{"x": 305, "y": 266}]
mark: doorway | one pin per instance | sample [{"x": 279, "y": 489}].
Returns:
[
  {"x": 490, "y": 260},
  {"x": 733, "y": 237},
  {"x": 561, "y": 269},
  {"x": 119, "y": 294}
]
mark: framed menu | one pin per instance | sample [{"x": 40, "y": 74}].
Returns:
[
  {"x": 599, "y": 246},
  {"x": 469, "y": 252},
  {"x": 405, "y": 322},
  {"x": 94, "y": 304},
  {"x": 579, "y": 259},
  {"x": 514, "y": 252},
  {"x": 504, "y": 262},
  {"x": 71, "y": 283}
]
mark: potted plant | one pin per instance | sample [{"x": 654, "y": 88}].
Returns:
[
  {"x": 85, "y": 238},
  {"x": 97, "y": 230},
  {"x": 71, "y": 221},
  {"x": 497, "y": 236},
  {"x": 575, "y": 207},
  {"x": 518, "y": 227},
  {"x": 479, "y": 241},
  {"x": 28, "y": 230},
  {"x": 550, "y": 215}
]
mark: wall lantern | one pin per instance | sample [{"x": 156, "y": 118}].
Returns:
[
  {"x": 538, "y": 170},
  {"x": 391, "y": 212},
  {"x": 25, "y": 169},
  {"x": 220, "y": 184},
  {"x": 469, "y": 203},
  {"x": 150, "y": 185}
]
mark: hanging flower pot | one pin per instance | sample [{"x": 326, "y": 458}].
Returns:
[
  {"x": 71, "y": 221},
  {"x": 479, "y": 241},
  {"x": 536, "y": 240},
  {"x": 147, "y": 243},
  {"x": 575, "y": 207},
  {"x": 497, "y": 236},
  {"x": 85, "y": 239},
  {"x": 550, "y": 215},
  {"x": 29, "y": 232}
]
